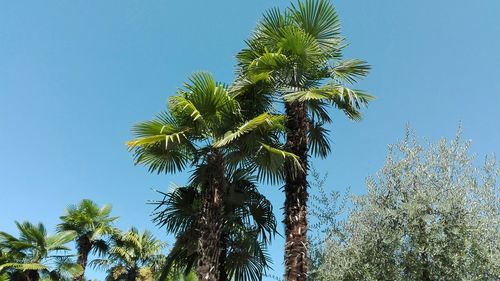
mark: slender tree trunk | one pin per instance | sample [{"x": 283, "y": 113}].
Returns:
[
  {"x": 211, "y": 222},
  {"x": 296, "y": 246},
  {"x": 222, "y": 260},
  {"x": 84, "y": 247}
]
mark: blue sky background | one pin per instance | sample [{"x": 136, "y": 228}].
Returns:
[{"x": 76, "y": 75}]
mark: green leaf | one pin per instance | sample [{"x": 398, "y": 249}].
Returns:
[
  {"x": 23, "y": 266},
  {"x": 318, "y": 137},
  {"x": 263, "y": 121},
  {"x": 350, "y": 70},
  {"x": 165, "y": 138},
  {"x": 348, "y": 100},
  {"x": 319, "y": 19}
]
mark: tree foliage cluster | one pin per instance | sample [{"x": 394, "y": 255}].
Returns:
[
  {"x": 293, "y": 60},
  {"x": 429, "y": 214},
  {"x": 124, "y": 255}
]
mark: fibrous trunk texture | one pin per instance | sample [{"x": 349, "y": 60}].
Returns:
[
  {"x": 222, "y": 260},
  {"x": 84, "y": 247},
  {"x": 296, "y": 246},
  {"x": 211, "y": 222}
]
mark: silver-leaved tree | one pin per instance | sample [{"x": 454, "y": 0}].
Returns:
[{"x": 429, "y": 214}]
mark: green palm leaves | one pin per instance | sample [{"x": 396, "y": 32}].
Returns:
[
  {"x": 300, "y": 47},
  {"x": 91, "y": 223},
  {"x": 294, "y": 59},
  {"x": 204, "y": 128},
  {"x": 133, "y": 256},
  {"x": 34, "y": 253},
  {"x": 295, "y": 56},
  {"x": 249, "y": 225},
  {"x": 294, "y": 52},
  {"x": 152, "y": 144},
  {"x": 205, "y": 114}
]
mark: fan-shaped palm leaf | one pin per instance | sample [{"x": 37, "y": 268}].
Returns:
[
  {"x": 248, "y": 217},
  {"x": 307, "y": 38}
]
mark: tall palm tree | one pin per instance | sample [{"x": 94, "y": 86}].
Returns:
[
  {"x": 134, "y": 256},
  {"x": 204, "y": 129},
  {"x": 249, "y": 225},
  {"x": 91, "y": 223},
  {"x": 32, "y": 255},
  {"x": 295, "y": 56}
]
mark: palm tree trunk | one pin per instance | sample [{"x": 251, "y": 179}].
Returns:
[
  {"x": 211, "y": 222},
  {"x": 222, "y": 260},
  {"x": 296, "y": 246},
  {"x": 84, "y": 247}
]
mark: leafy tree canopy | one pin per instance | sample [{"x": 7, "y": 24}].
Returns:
[{"x": 429, "y": 214}]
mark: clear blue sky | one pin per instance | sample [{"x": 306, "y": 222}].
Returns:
[{"x": 75, "y": 76}]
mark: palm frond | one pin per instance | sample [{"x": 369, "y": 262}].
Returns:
[
  {"x": 165, "y": 134},
  {"x": 349, "y": 70},
  {"x": 318, "y": 18},
  {"x": 100, "y": 263},
  {"x": 270, "y": 163},
  {"x": 177, "y": 210},
  {"x": 318, "y": 137},
  {"x": 58, "y": 240},
  {"x": 247, "y": 259},
  {"x": 263, "y": 121},
  {"x": 318, "y": 110},
  {"x": 22, "y": 266},
  {"x": 300, "y": 45},
  {"x": 159, "y": 159},
  {"x": 203, "y": 99},
  {"x": 183, "y": 105},
  {"x": 348, "y": 100}
]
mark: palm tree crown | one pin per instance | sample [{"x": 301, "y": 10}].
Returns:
[
  {"x": 249, "y": 224},
  {"x": 91, "y": 223},
  {"x": 134, "y": 256},
  {"x": 295, "y": 57},
  {"x": 204, "y": 128},
  {"x": 33, "y": 254}
]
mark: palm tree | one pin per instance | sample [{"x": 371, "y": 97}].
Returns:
[
  {"x": 295, "y": 56},
  {"x": 31, "y": 255},
  {"x": 134, "y": 256},
  {"x": 91, "y": 223},
  {"x": 249, "y": 225},
  {"x": 205, "y": 130}
]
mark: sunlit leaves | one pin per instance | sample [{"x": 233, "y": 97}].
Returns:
[
  {"x": 35, "y": 250},
  {"x": 349, "y": 70},
  {"x": 248, "y": 219},
  {"x": 298, "y": 50},
  {"x": 319, "y": 19},
  {"x": 429, "y": 209},
  {"x": 132, "y": 252},
  {"x": 265, "y": 122},
  {"x": 348, "y": 100}
]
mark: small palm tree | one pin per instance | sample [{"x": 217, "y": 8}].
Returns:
[
  {"x": 134, "y": 256},
  {"x": 32, "y": 254},
  {"x": 91, "y": 223},
  {"x": 203, "y": 128},
  {"x": 249, "y": 225},
  {"x": 295, "y": 56}
]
